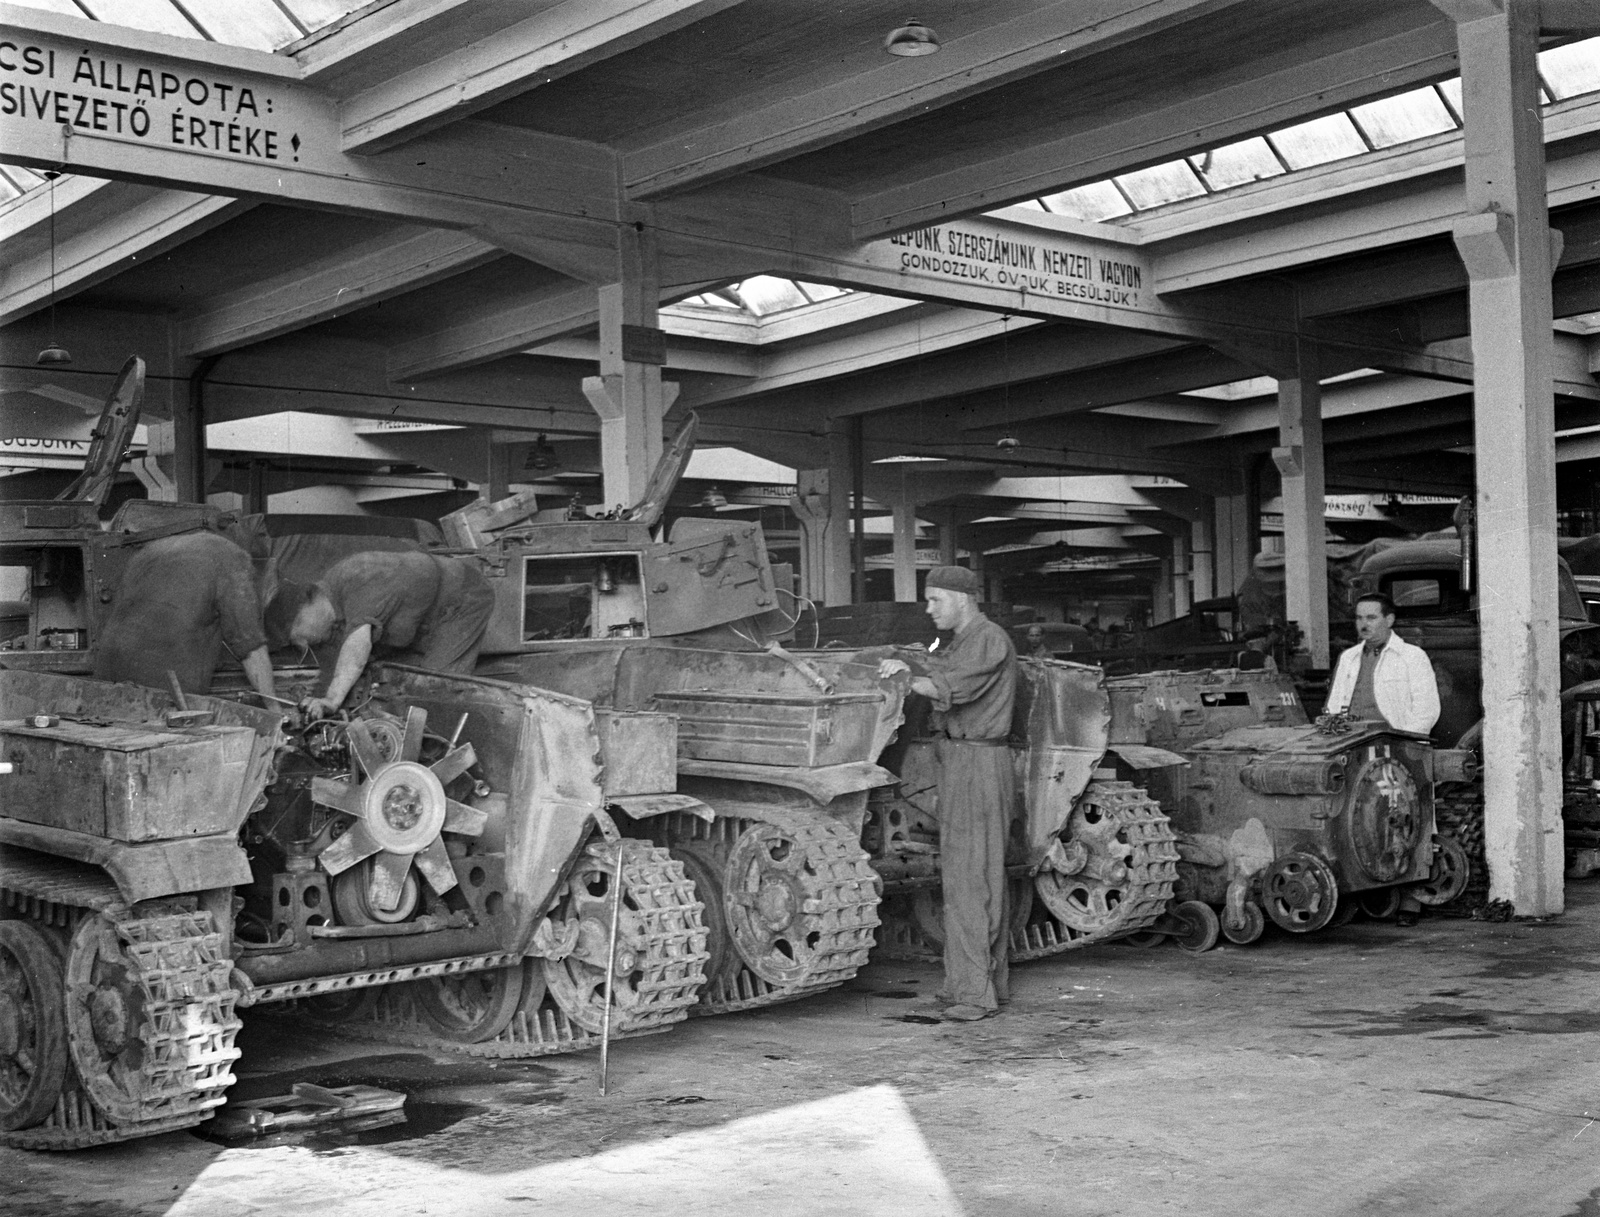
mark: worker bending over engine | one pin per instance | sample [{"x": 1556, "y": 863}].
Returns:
[{"x": 419, "y": 609}]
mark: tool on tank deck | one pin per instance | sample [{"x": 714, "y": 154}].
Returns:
[{"x": 157, "y": 879}]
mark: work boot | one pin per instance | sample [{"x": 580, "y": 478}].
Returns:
[{"x": 966, "y": 1014}]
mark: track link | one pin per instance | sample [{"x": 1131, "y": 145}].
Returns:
[
  {"x": 840, "y": 905},
  {"x": 1136, "y": 821},
  {"x": 188, "y": 1038},
  {"x": 1458, "y": 813}
]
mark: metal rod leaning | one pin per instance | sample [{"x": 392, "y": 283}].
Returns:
[{"x": 611, "y": 971}]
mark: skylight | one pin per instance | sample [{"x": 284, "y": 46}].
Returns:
[
  {"x": 1566, "y": 72},
  {"x": 764, "y": 295},
  {"x": 262, "y": 25}
]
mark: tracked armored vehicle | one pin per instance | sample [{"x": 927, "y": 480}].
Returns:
[
  {"x": 442, "y": 864},
  {"x": 1280, "y": 818},
  {"x": 1090, "y": 856}
]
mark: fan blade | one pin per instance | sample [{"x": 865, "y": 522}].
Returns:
[
  {"x": 365, "y": 748},
  {"x": 468, "y": 821},
  {"x": 388, "y": 880},
  {"x": 356, "y": 844},
  {"x": 434, "y": 863},
  {"x": 416, "y": 724},
  {"x": 341, "y": 796},
  {"x": 453, "y": 764}
]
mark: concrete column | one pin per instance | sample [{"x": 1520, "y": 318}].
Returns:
[
  {"x": 496, "y": 483},
  {"x": 841, "y": 476},
  {"x": 1299, "y": 460},
  {"x": 824, "y": 538},
  {"x": 905, "y": 550},
  {"x": 1202, "y": 569},
  {"x": 1182, "y": 594},
  {"x": 629, "y": 395},
  {"x": 1161, "y": 594},
  {"x": 947, "y": 536},
  {"x": 1234, "y": 540},
  {"x": 1505, "y": 242}
]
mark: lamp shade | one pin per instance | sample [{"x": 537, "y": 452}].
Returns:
[{"x": 911, "y": 39}]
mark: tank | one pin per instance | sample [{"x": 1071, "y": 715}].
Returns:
[
  {"x": 1281, "y": 818},
  {"x": 775, "y": 754},
  {"x": 1090, "y": 856},
  {"x": 442, "y": 865}
]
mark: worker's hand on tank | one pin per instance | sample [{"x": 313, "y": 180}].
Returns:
[
  {"x": 924, "y": 686},
  {"x": 314, "y": 708},
  {"x": 891, "y": 667}
]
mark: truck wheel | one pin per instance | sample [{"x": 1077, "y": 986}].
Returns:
[
  {"x": 1198, "y": 926},
  {"x": 33, "y": 1026}
]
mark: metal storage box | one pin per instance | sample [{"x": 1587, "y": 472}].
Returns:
[
  {"x": 129, "y": 782},
  {"x": 773, "y": 728}
]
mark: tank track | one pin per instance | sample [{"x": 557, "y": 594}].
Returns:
[
  {"x": 189, "y": 1039},
  {"x": 674, "y": 960},
  {"x": 843, "y": 894},
  {"x": 1458, "y": 813},
  {"x": 1152, "y": 874}
]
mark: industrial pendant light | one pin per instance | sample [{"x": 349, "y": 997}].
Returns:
[
  {"x": 912, "y": 39},
  {"x": 542, "y": 455},
  {"x": 54, "y": 353}
]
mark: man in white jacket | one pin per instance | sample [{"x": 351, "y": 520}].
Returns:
[{"x": 1383, "y": 676}]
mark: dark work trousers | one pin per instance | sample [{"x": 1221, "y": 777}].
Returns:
[{"x": 977, "y": 787}]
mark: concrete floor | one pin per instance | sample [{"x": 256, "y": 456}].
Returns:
[{"x": 1448, "y": 1068}]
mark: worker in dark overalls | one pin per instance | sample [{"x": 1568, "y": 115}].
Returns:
[
  {"x": 414, "y": 608},
  {"x": 972, "y": 684},
  {"x": 181, "y": 600}
]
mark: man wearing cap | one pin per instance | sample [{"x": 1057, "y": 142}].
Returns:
[
  {"x": 415, "y": 608},
  {"x": 972, "y": 685}
]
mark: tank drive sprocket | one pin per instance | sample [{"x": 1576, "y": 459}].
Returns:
[
  {"x": 1124, "y": 885},
  {"x": 790, "y": 909}
]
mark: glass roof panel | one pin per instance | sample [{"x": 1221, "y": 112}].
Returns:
[
  {"x": 822, "y": 291},
  {"x": 1398, "y": 120},
  {"x": 712, "y": 300},
  {"x": 157, "y": 16},
  {"x": 1572, "y": 69},
  {"x": 1096, "y": 201},
  {"x": 1161, "y": 184},
  {"x": 1319, "y": 141},
  {"x": 53, "y": 6},
  {"x": 1237, "y": 164},
  {"x": 314, "y": 14},
  {"x": 258, "y": 24},
  {"x": 763, "y": 294},
  {"x": 1452, "y": 94}
]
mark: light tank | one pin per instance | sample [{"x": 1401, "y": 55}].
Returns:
[
  {"x": 443, "y": 864},
  {"x": 1281, "y": 818}
]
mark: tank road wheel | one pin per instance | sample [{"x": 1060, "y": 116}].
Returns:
[
  {"x": 1198, "y": 926},
  {"x": 33, "y": 1026},
  {"x": 801, "y": 903},
  {"x": 353, "y": 903},
  {"x": 661, "y": 941},
  {"x": 397, "y": 812},
  {"x": 1255, "y": 924},
  {"x": 706, "y": 875},
  {"x": 1381, "y": 904},
  {"x": 150, "y": 1019},
  {"x": 1130, "y": 865},
  {"x": 341, "y": 1005},
  {"x": 472, "y": 1007},
  {"x": 1447, "y": 877},
  {"x": 1300, "y": 892}
]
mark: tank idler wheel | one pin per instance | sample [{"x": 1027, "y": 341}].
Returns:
[
  {"x": 1255, "y": 924},
  {"x": 1198, "y": 926},
  {"x": 33, "y": 1025},
  {"x": 1381, "y": 903},
  {"x": 473, "y": 1007},
  {"x": 1448, "y": 876},
  {"x": 1300, "y": 892}
]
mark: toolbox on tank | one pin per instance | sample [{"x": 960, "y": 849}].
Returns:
[
  {"x": 125, "y": 781},
  {"x": 772, "y": 728}
]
